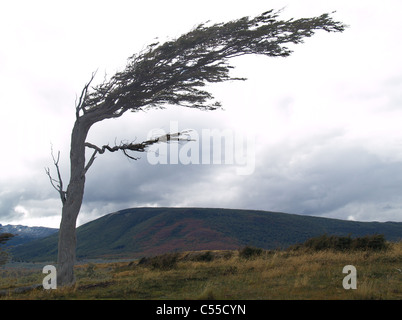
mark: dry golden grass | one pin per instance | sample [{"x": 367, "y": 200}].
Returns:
[{"x": 271, "y": 275}]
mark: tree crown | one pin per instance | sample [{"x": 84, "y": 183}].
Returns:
[{"x": 175, "y": 72}]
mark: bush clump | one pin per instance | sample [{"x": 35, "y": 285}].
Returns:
[
  {"x": 250, "y": 252},
  {"x": 374, "y": 242},
  {"x": 165, "y": 261},
  {"x": 4, "y": 255},
  {"x": 205, "y": 257}
]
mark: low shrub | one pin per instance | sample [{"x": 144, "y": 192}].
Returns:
[
  {"x": 374, "y": 242},
  {"x": 205, "y": 257},
  {"x": 165, "y": 261},
  {"x": 250, "y": 252},
  {"x": 90, "y": 270}
]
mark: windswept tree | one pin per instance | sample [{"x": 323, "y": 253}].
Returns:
[{"x": 170, "y": 73}]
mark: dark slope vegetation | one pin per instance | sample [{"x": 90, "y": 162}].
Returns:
[{"x": 141, "y": 232}]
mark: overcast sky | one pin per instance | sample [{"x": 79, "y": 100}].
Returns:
[{"x": 324, "y": 125}]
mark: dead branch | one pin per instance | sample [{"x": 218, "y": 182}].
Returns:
[
  {"x": 80, "y": 105},
  {"x": 57, "y": 184},
  {"x": 138, "y": 147}
]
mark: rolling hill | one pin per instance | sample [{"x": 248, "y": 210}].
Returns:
[{"x": 138, "y": 232}]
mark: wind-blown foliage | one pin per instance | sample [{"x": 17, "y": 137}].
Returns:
[{"x": 174, "y": 72}]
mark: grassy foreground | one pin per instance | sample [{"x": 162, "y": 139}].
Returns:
[{"x": 290, "y": 274}]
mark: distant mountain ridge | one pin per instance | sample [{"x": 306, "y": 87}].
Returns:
[
  {"x": 24, "y": 234},
  {"x": 137, "y": 232}
]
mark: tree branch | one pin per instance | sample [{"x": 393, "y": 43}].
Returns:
[
  {"x": 81, "y": 102},
  {"x": 91, "y": 161},
  {"x": 57, "y": 184},
  {"x": 139, "y": 147}
]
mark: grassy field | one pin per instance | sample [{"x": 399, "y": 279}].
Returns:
[{"x": 286, "y": 274}]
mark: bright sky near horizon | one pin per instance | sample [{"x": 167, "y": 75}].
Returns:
[{"x": 326, "y": 121}]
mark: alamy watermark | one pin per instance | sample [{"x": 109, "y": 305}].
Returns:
[
  {"x": 49, "y": 281},
  {"x": 210, "y": 146},
  {"x": 350, "y": 281}
]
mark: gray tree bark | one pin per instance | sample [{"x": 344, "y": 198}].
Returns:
[{"x": 72, "y": 205}]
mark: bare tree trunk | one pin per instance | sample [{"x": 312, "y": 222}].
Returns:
[{"x": 72, "y": 205}]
